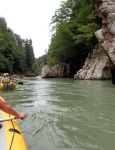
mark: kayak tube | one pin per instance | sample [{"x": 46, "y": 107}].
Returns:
[
  {"x": 7, "y": 86},
  {"x": 11, "y": 137}
]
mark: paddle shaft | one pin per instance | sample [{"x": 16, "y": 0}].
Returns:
[{"x": 7, "y": 119}]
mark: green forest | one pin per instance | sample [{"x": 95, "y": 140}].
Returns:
[
  {"x": 16, "y": 54},
  {"x": 72, "y": 26}
]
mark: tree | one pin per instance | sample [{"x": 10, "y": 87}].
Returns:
[
  {"x": 73, "y": 27},
  {"x": 20, "y": 54},
  {"x": 30, "y": 59},
  {"x": 16, "y": 54}
]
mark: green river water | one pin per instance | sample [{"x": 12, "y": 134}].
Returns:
[{"x": 65, "y": 114}]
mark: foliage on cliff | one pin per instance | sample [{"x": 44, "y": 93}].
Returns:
[
  {"x": 41, "y": 62},
  {"x": 73, "y": 27},
  {"x": 16, "y": 54}
]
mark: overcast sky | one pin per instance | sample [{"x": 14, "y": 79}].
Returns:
[{"x": 30, "y": 19}]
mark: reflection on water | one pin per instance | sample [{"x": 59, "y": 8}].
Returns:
[{"x": 65, "y": 114}]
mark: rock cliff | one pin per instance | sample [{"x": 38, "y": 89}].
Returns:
[
  {"x": 97, "y": 66},
  {"x": 94, "y": 69},
  {"x": 101, "y": 63},
  {"x": 58, "y": 71}
]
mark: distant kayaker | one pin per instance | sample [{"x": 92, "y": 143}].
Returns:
[
  {"x": 7, "y": 108},
  {"x": 6, "y": 78}
]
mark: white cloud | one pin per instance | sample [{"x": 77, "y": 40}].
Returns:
[{"x": 30, "y": 19}]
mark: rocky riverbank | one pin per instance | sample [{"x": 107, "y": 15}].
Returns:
[{"x": 101, "y": 63}]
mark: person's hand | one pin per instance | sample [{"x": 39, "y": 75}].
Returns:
[{"x": 21, "y": 116}]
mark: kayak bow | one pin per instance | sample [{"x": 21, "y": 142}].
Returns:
[{"x": 11, "y": 137}]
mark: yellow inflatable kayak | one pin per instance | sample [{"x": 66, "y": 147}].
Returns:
[
  {"x": 7, "y": 86},
  {"x": 11, "y": 137}
]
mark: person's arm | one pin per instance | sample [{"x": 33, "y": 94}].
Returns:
[{"x": 4, "y": 106}]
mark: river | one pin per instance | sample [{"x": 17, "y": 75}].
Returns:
[{"x": 65, "y": 114}]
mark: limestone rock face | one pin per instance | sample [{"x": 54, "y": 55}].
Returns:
[
  {"x": 58, "y": 71},
  {"x": 45, "y": 71},
  {"x": 102, "y": 68},
  {"x": 106, "y": 10},
  {"x": 97, "y": 66}
]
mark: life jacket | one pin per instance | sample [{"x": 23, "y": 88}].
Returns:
[{"x": 6, "y": 80}]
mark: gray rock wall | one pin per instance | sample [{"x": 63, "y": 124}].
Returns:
[
  {"x": 58, "y": 71},
  {"x": 106, "y": 10},
  {"x": 101, "y": 69},
  {"x": 97, "y": 66}
]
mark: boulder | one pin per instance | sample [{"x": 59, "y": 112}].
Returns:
[{"x": 58, "y": 71}]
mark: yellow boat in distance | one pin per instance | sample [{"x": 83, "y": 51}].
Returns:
[
  {"x": 15, "y": 78},
  {"x": 11, "y": 137},
  {"x": 6, "y": 83},
  {"x": 7, "y": 86}
]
